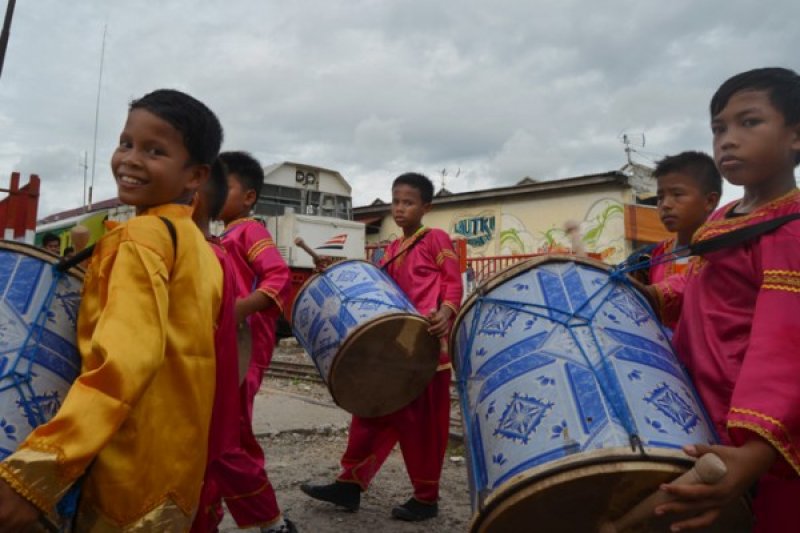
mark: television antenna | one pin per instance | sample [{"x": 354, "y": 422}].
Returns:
[
  {"x": 628, "y": 139},
  {"x": 443, "y": 174}
]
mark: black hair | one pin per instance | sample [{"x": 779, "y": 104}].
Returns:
[
  {"x": 246, "y": 168},
  {"x": 697, "y": 165},
  {"x": 69, "y": 250},
  {"x": 216, "y": 189},
  {"x": 50, "y": 237},
  {"x": 781, "y": 84},
  {"x": 197, "y": 124},
  {"x": 417, "y": 181}
]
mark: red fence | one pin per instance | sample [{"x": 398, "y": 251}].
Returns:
[{"x": 18, "y": 209}]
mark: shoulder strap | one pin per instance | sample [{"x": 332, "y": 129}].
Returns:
[
  {"x": 172, "y": 233},
  {"x": 405, "y": 251},
  {"x": 740, "y": 236}
]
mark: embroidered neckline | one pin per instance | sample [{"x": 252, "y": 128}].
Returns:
[{"x": 724, "y": 224}]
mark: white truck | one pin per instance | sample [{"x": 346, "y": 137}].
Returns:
[{"x": 334, "y": 237}]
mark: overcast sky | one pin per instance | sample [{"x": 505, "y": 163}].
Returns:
[{"x": 373, "y": 88}]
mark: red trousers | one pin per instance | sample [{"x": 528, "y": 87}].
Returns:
[
  {"x": 238, "y": 475},
  {"x": 421, "y": 428}
]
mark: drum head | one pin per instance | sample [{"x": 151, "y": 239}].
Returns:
[
  {"x": 384, "y": 365},
  {"x": 581, "y": 494}
]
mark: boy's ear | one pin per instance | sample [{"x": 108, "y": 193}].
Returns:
[
  {"x": 250, "y": 198},
  {"x": 712, "y": 200},
  {"x": 426, "y": 208},
  {"x": 199, "y": 177},
  {"x": 796, "y": 141}
]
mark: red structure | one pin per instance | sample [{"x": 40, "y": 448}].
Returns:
[{"x": 18, "y": 210}]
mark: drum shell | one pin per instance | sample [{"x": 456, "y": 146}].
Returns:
[
  {"x": 554, "y": 359},
  {"x": 39, "y": 357},
  {"x": 367, "y": 340}
]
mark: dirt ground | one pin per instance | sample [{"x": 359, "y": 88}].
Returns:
[{"x": 294, "y": 458}]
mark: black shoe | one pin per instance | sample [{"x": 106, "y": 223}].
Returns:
[
  {"x": 347, "y": 495},
  {"x": 415, "y": 511},
  {"x": 287, "y": 527}
]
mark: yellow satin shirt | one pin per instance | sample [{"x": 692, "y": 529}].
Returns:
[{"x": 136, "y": 419}]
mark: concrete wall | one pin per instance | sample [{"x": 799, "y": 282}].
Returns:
[{"x": 533, "y": 223}]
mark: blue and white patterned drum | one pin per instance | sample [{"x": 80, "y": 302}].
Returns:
[
  {"x": 557, "y": 361},
  {"x": 38, "y": 355},
  {"x": 365, "y": 337}
]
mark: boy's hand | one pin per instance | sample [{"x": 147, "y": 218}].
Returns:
[
  {"x": 16, "y": 513},
  {"x": 440, "y": 321},
  {"x": 745, "y": 465},
  {"x": 254, "y": 302}
]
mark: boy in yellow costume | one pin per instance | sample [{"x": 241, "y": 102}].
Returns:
[{"x": 135, "y": 422}]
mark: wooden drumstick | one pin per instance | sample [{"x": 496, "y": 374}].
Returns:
[
  {"x": 300, "y": 243},
  {"x": 572, "y": 229},
  {"x": 708, "y": 469}
]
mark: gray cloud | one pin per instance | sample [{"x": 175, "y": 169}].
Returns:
[{"x": 373, "y": 88}]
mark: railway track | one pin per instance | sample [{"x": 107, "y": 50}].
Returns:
[{"x": 308, "y": 372}]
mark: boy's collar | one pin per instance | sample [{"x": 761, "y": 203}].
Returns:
[
  {"x": 238, "y": 222},
  {"x": 168, "y": 210}
]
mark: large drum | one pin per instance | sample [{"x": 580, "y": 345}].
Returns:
[
  {"x": 367, "y": 340},
  {"x": 38, "y": 355},
  {"x": 575, "y": 407}
]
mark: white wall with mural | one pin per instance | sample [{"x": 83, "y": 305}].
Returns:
[{"x": 534, "y": 224}]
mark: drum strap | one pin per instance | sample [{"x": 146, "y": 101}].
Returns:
[
  {"x": 740, "y": 236},
  {"x": 714, "y": 244},
  {"x": 404, "y": 250}
]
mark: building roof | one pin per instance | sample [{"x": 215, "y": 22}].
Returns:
[
  {"x": 269, "y": 169},
  {"x": 83, "y": 210},
  {"x": 614, "y": 177}
]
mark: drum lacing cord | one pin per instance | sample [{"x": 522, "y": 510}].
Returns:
[
  {"x": 606, "y": 378},
  {"x": 632, "y": 264}
]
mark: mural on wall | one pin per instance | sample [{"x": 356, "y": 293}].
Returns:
[
  {"x": 602, "y": 232},
  {"x": 477, "y": 229},
  {"x": 514, "y": 238}
]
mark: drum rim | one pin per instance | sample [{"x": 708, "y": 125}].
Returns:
[
  {"x": 37, "y": 253},
  {"x": 316, "y": 275},
  {"x": 663, "y": 457},
  {"x": 512, "y": 271},
  {"x": 357, "y": 331}
]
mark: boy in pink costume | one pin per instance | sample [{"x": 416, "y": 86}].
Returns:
[
  {"x": 263, "y": 287},
  {"x": 425, "y": 267},
  {"x": 738, "y": 328}
]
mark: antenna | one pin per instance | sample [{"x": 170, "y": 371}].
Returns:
[
  {"x": 628, "y": 140},
  {"x": 443, "y": 173},
  {"x": 97, "y": 112}
]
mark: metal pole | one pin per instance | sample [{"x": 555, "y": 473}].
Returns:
[
  {"x": 6, "y": 32},
  {"x": 97, "y": 113}
]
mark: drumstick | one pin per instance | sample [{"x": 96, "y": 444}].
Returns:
[
  {"x": 709, "y": 469},
  {"x": 300, "y": 243},
  {"x": 572, "y": 229}
]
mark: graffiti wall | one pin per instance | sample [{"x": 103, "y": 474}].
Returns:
[{"x": 534, "y": 224}]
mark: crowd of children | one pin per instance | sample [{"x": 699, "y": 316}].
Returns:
[{"x": 176, "y": 328}]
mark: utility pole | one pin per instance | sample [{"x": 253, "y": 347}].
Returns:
[
  {"x": 97, "y": 113},
  {"x": 85, "y": 166},
  {"x": 6, "y": 32}
]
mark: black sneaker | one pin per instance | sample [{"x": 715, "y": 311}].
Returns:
[
  {"x": 347, "y": 495},
  {"x": 415, "y": 511},
  {"x": 287, "y": 527}
]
